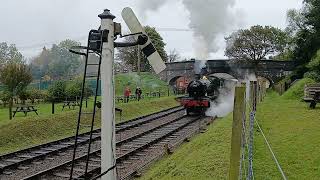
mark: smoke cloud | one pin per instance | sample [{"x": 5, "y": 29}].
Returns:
[
  {"x": 223, "y": 105},
  {"x": 209, "y": 20}
]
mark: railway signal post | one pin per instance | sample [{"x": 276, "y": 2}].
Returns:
[{"x": 108, "y": 142}]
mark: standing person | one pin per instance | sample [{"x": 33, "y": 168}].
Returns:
[
  {"x": 138, "y": 93},
  {"x": 127, "y": 93}
]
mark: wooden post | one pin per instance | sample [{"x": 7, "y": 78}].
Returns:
[
  {"x": 238, "y": 111},
  {"x": 254, "y": 96},
  {"x": 251, "y": 95},
  {"x": 52, "y": 107}
]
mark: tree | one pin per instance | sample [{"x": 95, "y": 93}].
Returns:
[
  {"x": 173, "y": 56},
  {"x": 256, "y": 43},
  {"x": 39, "y": 65},
  {"x": 129, "y": 55},
  {"x": 9, "y": 54},
  {"x": 314, "y": 67},
  {"x": 307, "y": 36},
  {"x": 15, "y": 77},
  {"x": 63, "y": 63},
  {"x": 57, "y": 62}
]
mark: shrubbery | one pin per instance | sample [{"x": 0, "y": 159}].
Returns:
[
  {"x": 57, "y": 91},
  {"x": 4, "y": 97},
  {"x": 62, "y": 90},
  {"x": 36, "y": 94}
]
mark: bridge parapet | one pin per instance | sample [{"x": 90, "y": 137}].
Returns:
[{"x": 271, "y": 69}]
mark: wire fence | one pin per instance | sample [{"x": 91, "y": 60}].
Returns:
[{"x": 247, "y": 138}]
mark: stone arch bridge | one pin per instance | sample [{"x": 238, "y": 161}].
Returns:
[{"x": 272, "y": 70}]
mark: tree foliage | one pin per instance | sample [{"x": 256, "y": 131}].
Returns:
[
  {"x": 256, "y": 43},
  {"x": 314, "y": 67},
  {"x": 9, "y": 53},
  {"x": 129, "y": 55},
  {"x": 307, "y": 35},
  {"x": 57, "y": 91},
  {"x": 57, "y": 62},
  {"x": 15, "y": 77}
]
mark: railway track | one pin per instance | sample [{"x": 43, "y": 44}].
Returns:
[{"x": 52, "y": 160}]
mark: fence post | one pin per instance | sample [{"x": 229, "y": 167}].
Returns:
[
  {"x": 52, "y": 107},
  {"x": 238, "y": 111},
  {"x": 254, "y": 95},
  {"x": 251, "y": 95}
]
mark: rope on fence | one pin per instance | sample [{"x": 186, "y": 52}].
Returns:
[{"x": 272, "y": 153}]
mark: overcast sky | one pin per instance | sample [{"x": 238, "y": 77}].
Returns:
[{"x": 32, "y": 24}]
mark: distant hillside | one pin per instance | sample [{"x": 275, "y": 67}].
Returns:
[{"x": 146, "y": 81}]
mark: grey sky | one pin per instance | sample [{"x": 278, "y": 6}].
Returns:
[{"x": 32, "y": 24}]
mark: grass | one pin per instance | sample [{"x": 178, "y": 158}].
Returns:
[
  {"x": 290, "y": 126},
  {"x": 146, "y": 81},
  {"x": 293, "y": 132},
  {"x": 206, "y": 156},
  {"x": 297, "y": 90},
  {"x": 23, "y": 132}
]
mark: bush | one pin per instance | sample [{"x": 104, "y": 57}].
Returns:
[
  {"x": 297, "y": 90},
  {"x": 35, "y": 94},
  {"x": 23, "y": 95},
  {"x": 74, "y": 89},
  {"x": 57, "y": 91},
  {"x": 312, "y": 75},
  {"x": 4, "y": 97}
]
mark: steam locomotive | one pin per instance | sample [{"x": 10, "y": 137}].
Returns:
[{"x": 200, "y": 94}]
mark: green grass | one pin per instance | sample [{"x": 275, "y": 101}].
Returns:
[
  {"x": 297, "y": 90},
  {"x": 206, "y": 156},
  {"x": 290, "y": 126},
  {"x": 147, "y": 81},
  {"x": 23, "y": 132},
  {"x": 293, "y": 132}
]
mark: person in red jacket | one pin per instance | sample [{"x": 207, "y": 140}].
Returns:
[{"x": 127, "y": 93}]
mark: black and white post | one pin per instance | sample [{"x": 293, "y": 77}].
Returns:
[{"x": 108, "y": 143}]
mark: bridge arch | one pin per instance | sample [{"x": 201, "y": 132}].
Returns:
[{"x": 179, "y": 84}]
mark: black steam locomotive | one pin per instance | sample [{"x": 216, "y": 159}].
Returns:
[{"x": 200, "y": 94}]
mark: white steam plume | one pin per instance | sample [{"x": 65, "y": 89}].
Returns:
[
  {"x": 209, "y": 19},
  {"x": 223, "y": 105}
]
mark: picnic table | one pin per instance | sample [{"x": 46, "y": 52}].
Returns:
[
  {"x": 312, "y": 94},
  {"x": 70, "y": 103},
  {"x": 25, "y": 109}
]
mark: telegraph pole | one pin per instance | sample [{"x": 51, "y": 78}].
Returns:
[{"x": 108, "y": 143}]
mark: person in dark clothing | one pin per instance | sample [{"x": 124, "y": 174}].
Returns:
[{"x": 138, "y": 93}]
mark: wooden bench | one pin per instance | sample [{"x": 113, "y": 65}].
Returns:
[
  {"x": 312, "y": 94},
  {"x": 25, "y": 109}
]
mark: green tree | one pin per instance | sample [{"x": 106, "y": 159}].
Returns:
[
  {"x": 307, "y": 36},
  {"x": 57, "y": 91},
  {"x": 57, "y": 62},
  {"x": 129, "y": 55},
  {"x": 15, "y": 77},
  {"x": 256, "y": 43},
  {"x": 314, "y": 67},
  {"x": 9, "y": 54},
  {"x": 39, "y": 64},
  {"x": 63, "y": 64}
]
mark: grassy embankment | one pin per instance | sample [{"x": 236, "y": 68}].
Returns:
[
  {"x": 290, "y": 126},
  {"x": 22, "y": 132}
]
